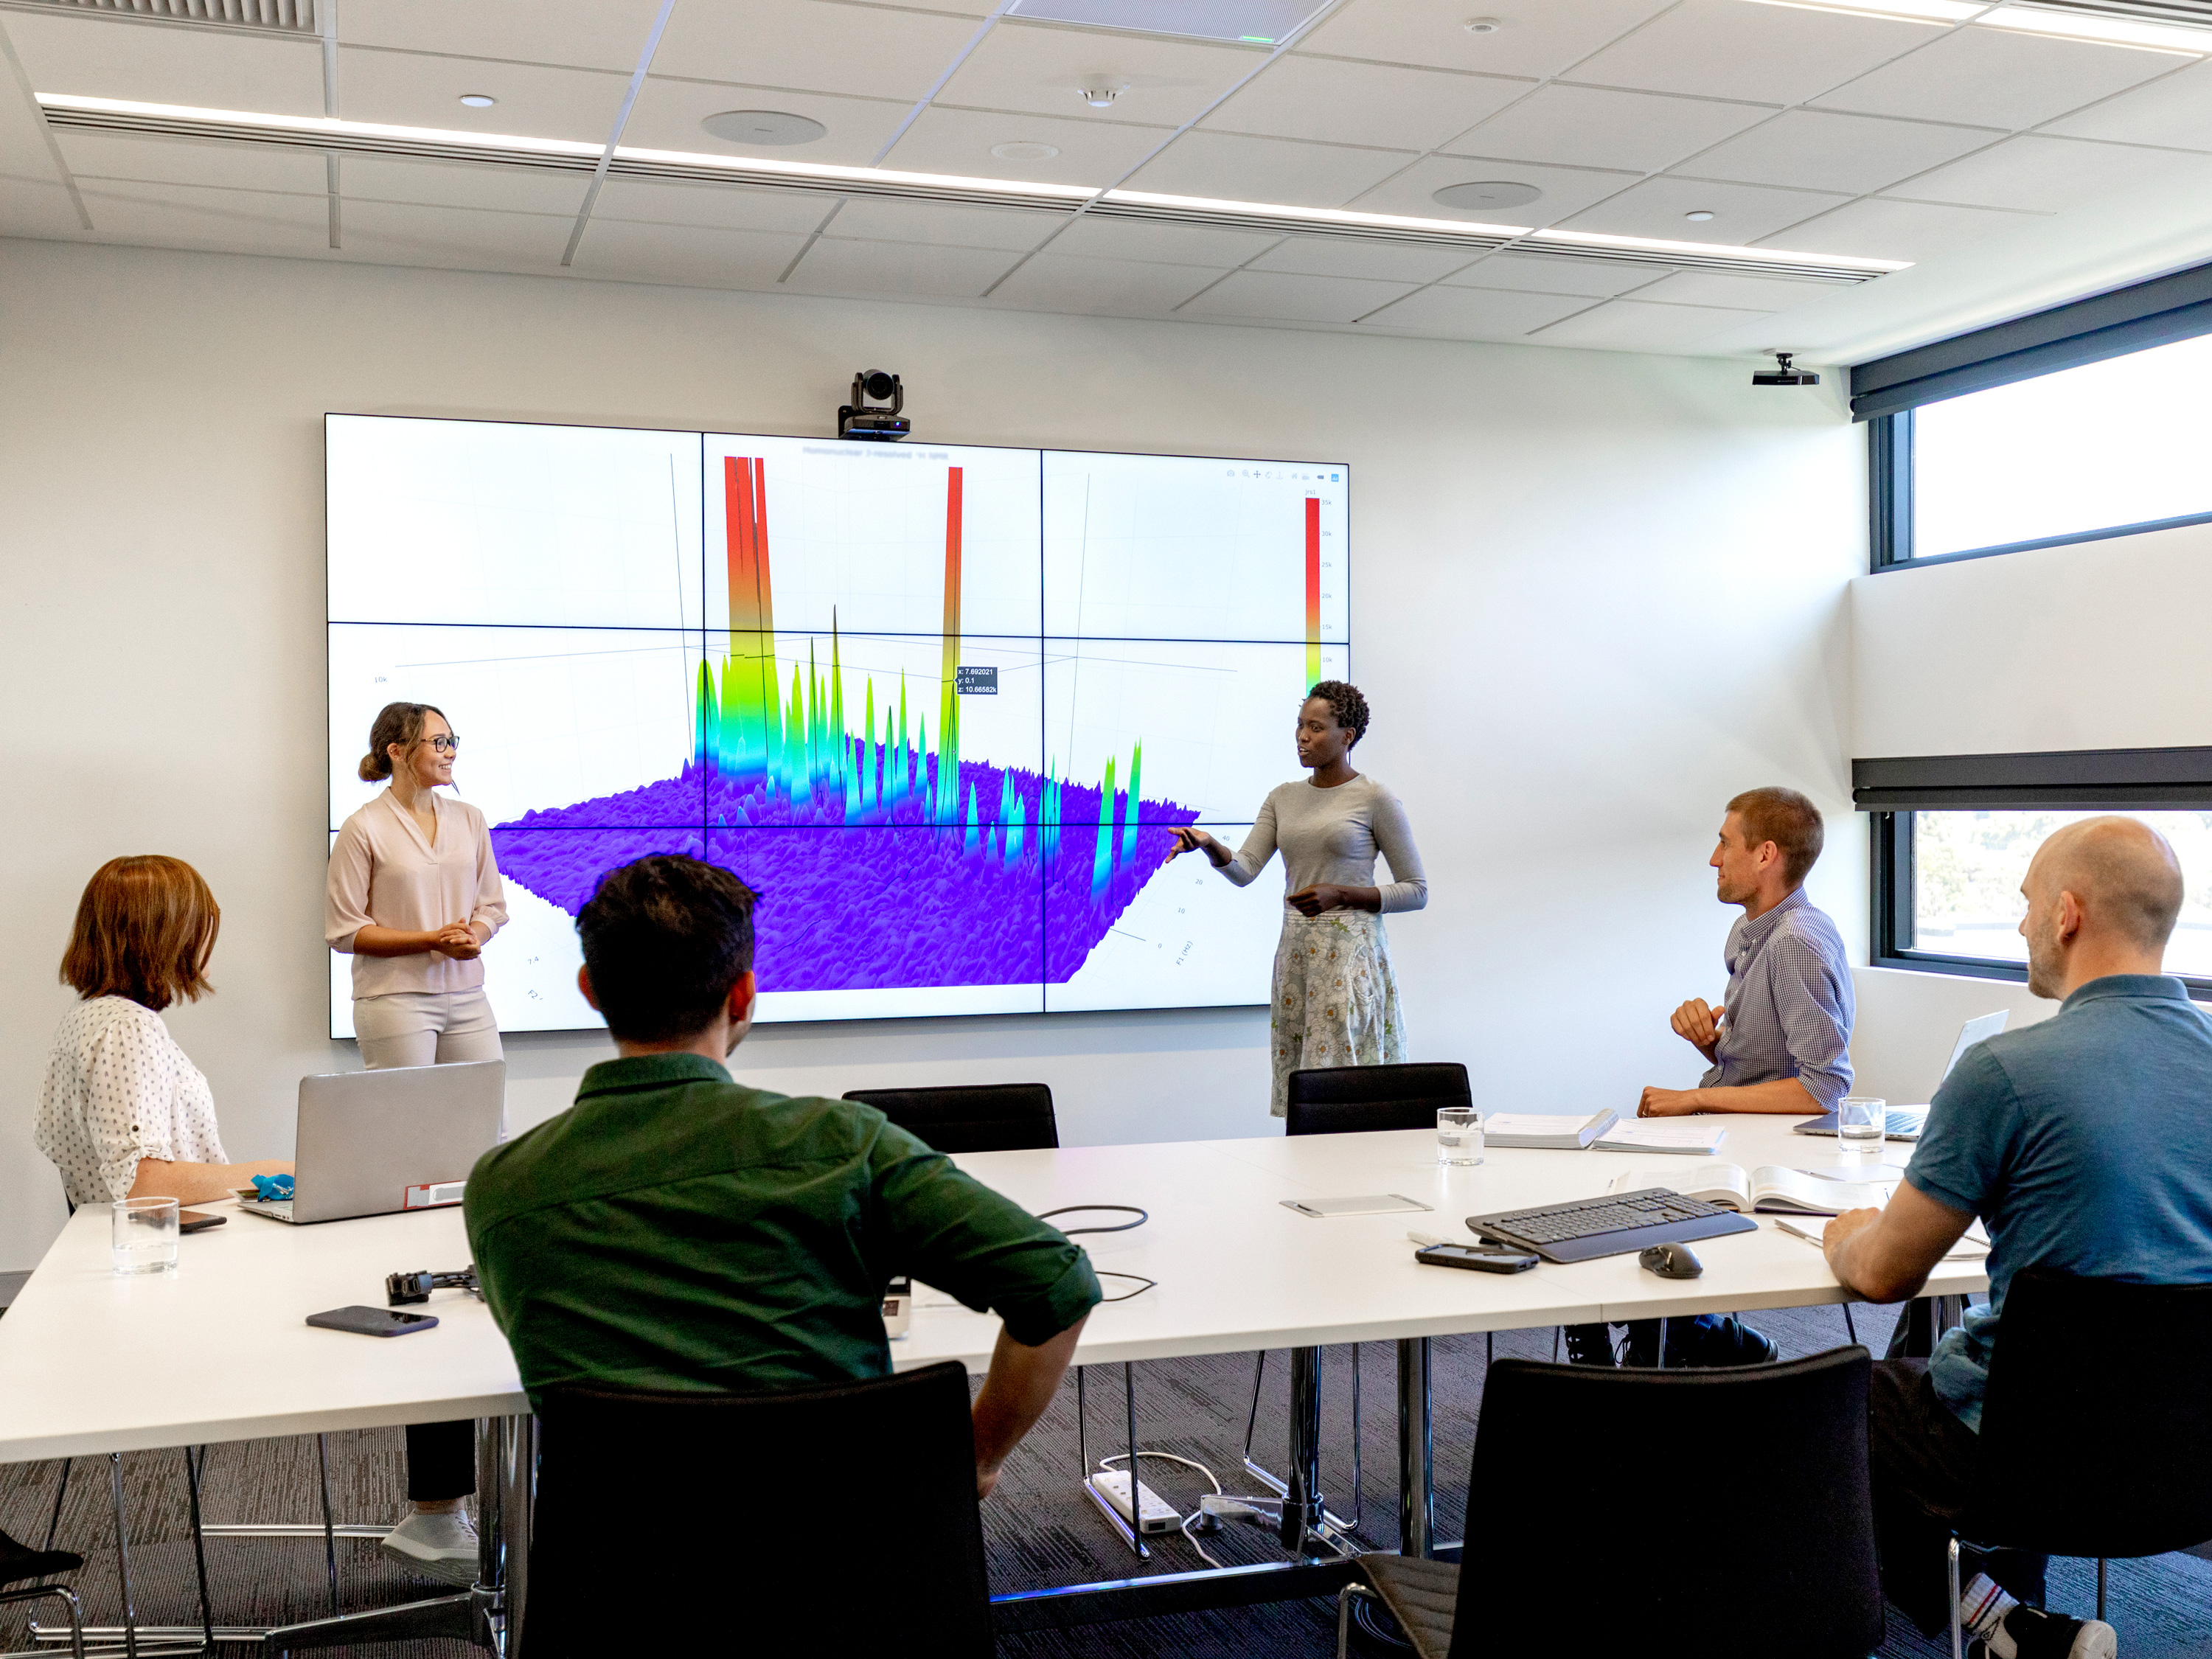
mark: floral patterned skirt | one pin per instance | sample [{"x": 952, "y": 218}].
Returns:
[{"x": 1336, "y": 998}]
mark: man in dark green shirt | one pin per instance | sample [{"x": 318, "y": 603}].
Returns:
[{"x": 676, "y": 1229}]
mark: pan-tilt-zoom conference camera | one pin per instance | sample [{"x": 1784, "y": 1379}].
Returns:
[{"x": 866, "y": 415}]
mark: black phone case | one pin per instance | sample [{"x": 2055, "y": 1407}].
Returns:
[
  {"x": 203, "y": 1224},
  {"x": 373, "y": 1322},
  {"x": 1519, "y": 1263}
]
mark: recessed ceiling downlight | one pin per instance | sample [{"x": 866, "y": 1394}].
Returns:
[
  {"x": 1024, "y": 149},
  {"x": 1485, "y": 194},
  {"x": 762, "y": 126},
  {"x": 478, "y": 100},
  {"x": 1699, "y": 215}
]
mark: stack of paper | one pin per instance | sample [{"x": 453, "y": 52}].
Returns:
[
  {"x": 1564, "y": 1133},
  {"x": 1691, "y": 1137}
]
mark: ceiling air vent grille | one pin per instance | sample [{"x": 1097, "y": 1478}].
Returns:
[
  {"x": 286, "y": 16},
  {"x": 2184, "y": 13}
]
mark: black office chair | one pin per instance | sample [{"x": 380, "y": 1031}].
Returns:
[
  {"x": 842, "y": 1516},
  {"x": 1572, "y": 1550},
  {"x": 1339, "y": 1100},
  {"x": 20, "y": 1561},
  {"x": 987, "y": 1117},
  {"x": 1336, "y": 1100},
  {"x": 2085, "y": 1451}
]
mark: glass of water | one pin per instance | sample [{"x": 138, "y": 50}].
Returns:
[
  {"x": 1459, "y": 1136},
  {"x": 1861, "y": 1121},
  {"x": 145, "y": 1235}
]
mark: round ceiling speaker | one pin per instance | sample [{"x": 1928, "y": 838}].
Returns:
[
  {"x": 1024, "y": 149},
  {"x": 762, "y": 126},
  {"x": 1485, "y": 194}
]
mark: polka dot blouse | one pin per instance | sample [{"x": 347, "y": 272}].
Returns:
[{"x": 119, "y": 1089}]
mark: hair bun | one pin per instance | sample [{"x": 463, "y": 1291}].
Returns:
[{"x": 374, "y": 768}]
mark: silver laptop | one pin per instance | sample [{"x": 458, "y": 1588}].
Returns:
[
  {"x": 374, "y": 1143},
  {"x": 1906, "y": 1123}
]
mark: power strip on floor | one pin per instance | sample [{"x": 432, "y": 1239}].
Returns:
[{"x": 1113, "y": 1485}]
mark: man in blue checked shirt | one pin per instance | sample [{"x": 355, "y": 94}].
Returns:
[{"x": 1780, "y": 1042}]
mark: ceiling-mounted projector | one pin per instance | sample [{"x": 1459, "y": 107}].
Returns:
[
  {"x": 862, "y": 418},
  {"x": 1782, "y": 374}
]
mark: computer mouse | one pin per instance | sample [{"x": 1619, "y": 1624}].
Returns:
[{"x": 1671, "y": 1262}]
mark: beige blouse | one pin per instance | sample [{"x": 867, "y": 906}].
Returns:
[
  {"x": 384, "y": 873},
  {"x": 119, "y": 1089}
]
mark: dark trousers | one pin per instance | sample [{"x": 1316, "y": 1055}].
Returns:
[
  {"x": 1923, "y": 1461},
  {"x": 441, "y": 1461}
]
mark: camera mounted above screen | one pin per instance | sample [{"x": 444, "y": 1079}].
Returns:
[
  {"x": 402, "y": 1290},
  {"x": 872, "y": 420}
]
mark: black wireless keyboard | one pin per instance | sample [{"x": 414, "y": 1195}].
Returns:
[{"x": 1610, "y": 1226}]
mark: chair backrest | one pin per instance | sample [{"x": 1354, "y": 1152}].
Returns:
[
  {"x": 843, "y": 1517},
  {"x": 1339, "y": 1100},
  {"x": 987, "y": 1117},
  {"x": 2095, "y": 1437},
  {"x": 1722, "y": 1513}
]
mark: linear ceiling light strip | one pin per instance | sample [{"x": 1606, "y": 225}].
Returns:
[{"x": 556, "y": 156}]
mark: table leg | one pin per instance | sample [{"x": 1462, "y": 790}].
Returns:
[
  {"x": 1417, "y": 1491},
  {"x": 1303, "y": 1516},
  {"x": 123, "y": 1558}
]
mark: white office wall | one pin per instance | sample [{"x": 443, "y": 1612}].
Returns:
[
  {"x": 2094, "y": 645},
  {"x": 1595, "y": 595}
]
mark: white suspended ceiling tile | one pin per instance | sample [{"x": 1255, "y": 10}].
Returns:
[
  {"x": 1014, "y": 229},
  {"x": 1042, "y": 70},
  {"x": 1227, "y": 166},
  {"x": 668, "y": 113},
  {"x": 608, "y": 35},
  {"x": 1880, "y": 229},
  {"x": 452, "y": 239},
  {"x": 1566, "y": 191},
  {"x": 873, "y": 51},
  {"x": 38, "y": 207},
  {"x": 1741, "y": 213},
  {"x": 23, "y": 152},
  {"x": 1729, "y": 288},
  {"x": 1596, "y": 127},
  {"x": 94, "y": 57},
  {"x": 1477, "y": 313},
  {"x": 897, "y": 271},
  {"x": 1536, "y": 273},
  {"x": 178, "y": 162},
  {"x": 1817, "y": 149},
  {"x": 1127, "y": 288},
  {"x": 1275, "y": 297},
  {"x": 716, "y": 207},
  {"x": 2176, "y": 110},
  {"x": 453, "y": 184},
  {"x": 1090, "y": 237},
  {"x": 192, "y": 215},
  {"x": 1767, "y": 54},
  {"x": 1639, "y": 326},
  {"x": 1332, "y": 256},
  {"x": 692, "y": 255},
  {"x": 2049, "y": 175},
  {"x": 1331, "y": 101},
  {"x": 407, "y": 88},
  {"x": 1534, "y": 37},
  {"x": 959, "y": 142},
  {"x": 1994, "y": 77}
]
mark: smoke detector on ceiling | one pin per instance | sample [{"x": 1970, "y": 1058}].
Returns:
[
  {"x": 1101, "y": 95},
  {"x": 1482, "y": 25}
]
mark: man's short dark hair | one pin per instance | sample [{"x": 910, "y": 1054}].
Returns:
[
  {"x": 665, "y": 938},
  {"x": 1789, "y": 820}
]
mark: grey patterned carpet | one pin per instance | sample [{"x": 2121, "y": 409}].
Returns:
[{"x": 1039, "y": 1529}]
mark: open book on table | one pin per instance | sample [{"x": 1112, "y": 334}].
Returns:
[
  {"x": 1770, "y": 1187},
  {"x": 1971, "y": 1246}
]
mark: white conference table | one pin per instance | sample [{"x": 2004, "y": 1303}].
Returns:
[{"x": 86, "y": 1358}]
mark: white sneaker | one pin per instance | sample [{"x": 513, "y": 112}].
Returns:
[{"x": 442, "y": 1545}]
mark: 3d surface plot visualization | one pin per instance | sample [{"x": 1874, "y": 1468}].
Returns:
[{"x": 943, "y": 709}]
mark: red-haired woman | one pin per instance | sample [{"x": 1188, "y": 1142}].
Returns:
[{"x": 123, "y": 1113}]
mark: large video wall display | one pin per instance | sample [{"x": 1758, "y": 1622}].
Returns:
[{"x": 941, "y": 707}]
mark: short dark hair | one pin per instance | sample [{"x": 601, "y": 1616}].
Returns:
[
  {"x": 1345, "y": 706},
  {"x": 1789, "y": 820},
  {"x": 665, "y": 938}
]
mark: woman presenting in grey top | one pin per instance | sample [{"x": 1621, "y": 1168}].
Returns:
[{"x": 1335, "y": 998}]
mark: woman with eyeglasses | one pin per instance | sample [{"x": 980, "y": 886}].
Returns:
[{"x": 414, "y": 894}]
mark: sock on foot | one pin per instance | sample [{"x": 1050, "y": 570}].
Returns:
[{"x": 1982, "y": 1608}]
